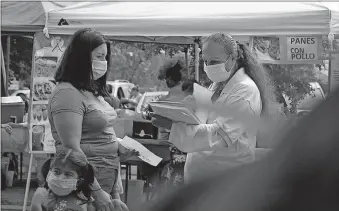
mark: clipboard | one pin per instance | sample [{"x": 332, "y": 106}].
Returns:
[{"x": 175, "y": 111}]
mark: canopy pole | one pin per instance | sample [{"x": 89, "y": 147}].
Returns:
[
  {"x": 196, "y": 59},
  {"x": 187, "y": 63},
  {"x": 4, "y": 91},
  {"x": 331, "y": 40},
  {"x": 28, "y": 182},
  {"x": 8, "y": 61}
]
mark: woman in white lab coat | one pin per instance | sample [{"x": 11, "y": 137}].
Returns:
[{"x": 239, "y": 84}]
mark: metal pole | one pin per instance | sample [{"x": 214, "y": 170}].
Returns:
[
  {"x": 8, "y": 60},
  {"x": 196, "y": 60},
  {"x": 3, "y": 74},
  {"x": 331, "y": 40},
  {"x": 187, "y": 63},
  {"x": 28, "y": 182}
]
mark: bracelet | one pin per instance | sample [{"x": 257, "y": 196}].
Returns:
[{"x": 97, "y": 189}]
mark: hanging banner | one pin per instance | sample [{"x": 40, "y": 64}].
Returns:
[
  {"x": 289, "y": 49},
  {"x": 334, "y": 72},
  {"x": 46, "y": 55},
  {"x": 302, "y": 48}
]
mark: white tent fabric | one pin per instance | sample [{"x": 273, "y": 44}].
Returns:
[
  {"x": 194, "y": 18},
  {"x": 334, "y": 7},
  {"x": 27, "y": 16}
]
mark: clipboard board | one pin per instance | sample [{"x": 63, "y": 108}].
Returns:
[{"x": 175, "y": 111}]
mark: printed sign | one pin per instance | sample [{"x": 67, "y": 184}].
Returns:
[
  {"x": 302, "y": 48},
  {"x": 334, "y": 77},
  {"x": 47, "y": 53}
]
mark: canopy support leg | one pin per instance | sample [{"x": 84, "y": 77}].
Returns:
[
  {"x": 196, "y": 59},
  {"x": 28, "y": 182}
]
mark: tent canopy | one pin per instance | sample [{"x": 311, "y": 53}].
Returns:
[
  {"x": 26, "y": 16},
  {"x": 194, "y": 18},
  {"x": 172, "y": 22}
]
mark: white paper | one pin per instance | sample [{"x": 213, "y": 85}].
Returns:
[
  {"x": 144, "y": 153},
  {"x": 203, "y": 97},
  {"x": 201, "y": 94},
  {"x": 11, "y": 99}
]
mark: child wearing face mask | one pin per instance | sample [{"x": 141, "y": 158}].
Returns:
[{"x": 67, "y": 179}]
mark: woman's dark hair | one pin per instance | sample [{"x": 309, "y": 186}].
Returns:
[
  {"x": 172, "y": 68},
  {"x": 109, "y": 89},
  {"x": 84, "y": 169},
  {"x": 252, "y": 67},
  {"x": 76, "y": 63},
  {"x": 280, "y": 98},
  {"x": 188, "y": 85},
  {"x": 174, "y": 73}
]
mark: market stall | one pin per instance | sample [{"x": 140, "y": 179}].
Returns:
[
  {"x": 293, "y": 31},
  {"x": 182, "y": 23}
]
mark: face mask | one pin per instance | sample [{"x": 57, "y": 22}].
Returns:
[
  {"x": 99, "y": 69},
  {"x": 217, "y": 73},
  {"x": 61, "y": 187}
]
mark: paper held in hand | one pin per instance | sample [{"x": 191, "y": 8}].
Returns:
[
  {"x": 203, "y": 97},
  {"x": 144, "y": 153}
]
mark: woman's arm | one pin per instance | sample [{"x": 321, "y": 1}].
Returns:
[
  {"x": 235, "y": 115},
  {"x": 37, "y": 200},
  {"x": 67, "y": 111}
]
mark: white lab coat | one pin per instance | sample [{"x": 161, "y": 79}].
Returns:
[{"x": 207, "y": 150}]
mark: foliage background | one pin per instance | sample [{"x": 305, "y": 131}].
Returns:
[{"x": 140, "y": 64}]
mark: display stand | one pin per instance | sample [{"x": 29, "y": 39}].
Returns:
[{"x": 46, "y": 54}]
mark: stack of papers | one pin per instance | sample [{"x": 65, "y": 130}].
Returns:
[
  {"x": 180, "y": 112},
  {"x": 177, "y": 112}
]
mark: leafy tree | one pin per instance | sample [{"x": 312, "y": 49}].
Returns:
[
  {"x": 293, "y": 80},
  {"x": 140, "y": 62},
  {"x": 21, "y": 50}
]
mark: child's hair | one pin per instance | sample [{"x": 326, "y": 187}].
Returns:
[
  {"x": 77, "y": 160},
  {"x": 188, "y": 85}
]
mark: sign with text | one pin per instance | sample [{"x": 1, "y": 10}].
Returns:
[
  {"x": 46, "y": 54},
  {"x": 302, "y": 48},
  {"x": 334, "y": 77}
]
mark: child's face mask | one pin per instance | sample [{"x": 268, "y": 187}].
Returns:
[{"x": 61, "y": 187}]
